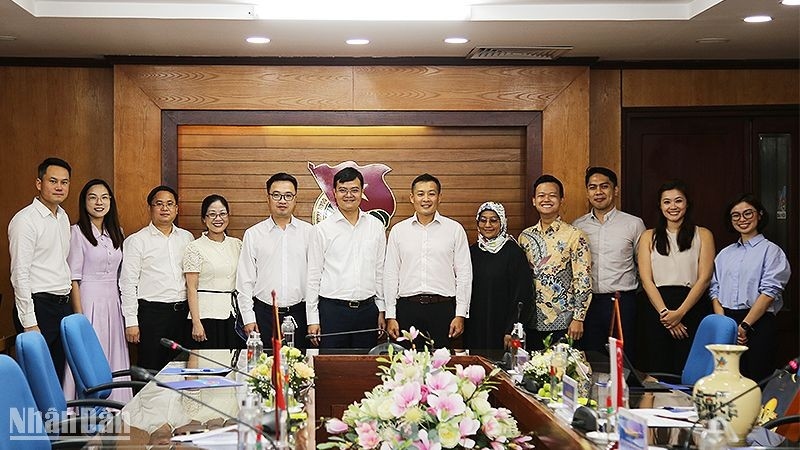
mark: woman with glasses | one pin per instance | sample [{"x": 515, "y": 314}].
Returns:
[
  {"x": 676, "y": 259},
  {"x": 209, "y": 265},
  {"x": 501, "y": 280},
  {"x": 95, "y": 254},
  {"x": 749, "y": 278}
]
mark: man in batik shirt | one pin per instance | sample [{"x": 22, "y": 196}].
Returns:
[{"x": 560, "y": 258}]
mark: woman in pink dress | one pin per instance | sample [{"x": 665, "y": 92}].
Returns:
[{"x": 95, "y": 255}]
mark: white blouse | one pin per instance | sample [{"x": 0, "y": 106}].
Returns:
[
  {"x": 678, "y": 268},
  {"x": 216, "y": 264}
]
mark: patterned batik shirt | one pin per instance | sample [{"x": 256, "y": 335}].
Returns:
[{"x": 561, "y": 263}]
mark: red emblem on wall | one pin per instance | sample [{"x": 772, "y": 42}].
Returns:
[{"x": 378, "y": 198}]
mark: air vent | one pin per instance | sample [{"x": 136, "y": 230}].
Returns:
[{"x": 540, "y": 53}]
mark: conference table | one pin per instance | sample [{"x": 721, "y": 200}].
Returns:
[{"x": 156, "y": 415}]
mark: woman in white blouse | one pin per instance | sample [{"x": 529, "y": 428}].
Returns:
[{"x": 210, "y": 268}]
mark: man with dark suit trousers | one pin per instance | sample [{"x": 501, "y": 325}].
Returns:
[{"x": 38, "y": 240}]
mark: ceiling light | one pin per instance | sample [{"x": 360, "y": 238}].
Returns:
[
  {"x": 258, "y": 40},
  {"x": 713, "y": 40},
  {"x": 456, "y": 40},
  {"x": 790, "y": 2},
  {"x": 357, "y": 41},
  {"x": 7, "y": 38},
  {"x": 757, "y": 19}
]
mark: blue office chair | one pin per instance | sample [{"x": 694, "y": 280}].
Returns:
[
  {"x": 87, "y": 361},
  {"x": 713, "y": 329},
  {"x": 34, "y": 359}
]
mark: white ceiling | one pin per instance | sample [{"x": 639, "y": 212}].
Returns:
[{"x": 617, "y": 30}]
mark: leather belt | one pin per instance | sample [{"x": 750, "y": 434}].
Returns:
[
  {"x": 60, "y": 299},
  {"x": 174, "y": 306},
  {"x": 353, "y": 304},
  {"x": 281, "y": 309},
  {"x": 428, "y": 299}
]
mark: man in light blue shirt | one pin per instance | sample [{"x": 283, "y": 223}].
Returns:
[{"x": 613, "y": 236}]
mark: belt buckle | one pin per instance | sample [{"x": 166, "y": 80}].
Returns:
[
  {"x": 424, "y": 299},
  {"x": 353, "y": 304},
  {"x": 176, "y": 306}
]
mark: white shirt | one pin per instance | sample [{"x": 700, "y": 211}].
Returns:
[
  {"x": 613, "y": 245},
  {"x": 430, "y": 259},
  {"x": 345, "y": 261},
  {"x": 273, "y": 259},
  {"x": 152, "y": 269},
  {"x": 39, "y": 245},
  {"x": 215, "y": 263}
]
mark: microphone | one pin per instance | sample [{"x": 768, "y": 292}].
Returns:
[
  {"x": 172, "y": 345},
  {"x": 342, "y": 333},
  {"x": 792, "y": 365},
  {"x": 145, "y": 375}
]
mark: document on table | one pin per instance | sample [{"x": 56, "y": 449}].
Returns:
[{"x": 665, "y": 418}]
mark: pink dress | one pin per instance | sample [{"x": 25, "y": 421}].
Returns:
[{"x": 96, "y": 268}]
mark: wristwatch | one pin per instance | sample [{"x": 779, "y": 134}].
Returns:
[{"x": 746, "y": 327}]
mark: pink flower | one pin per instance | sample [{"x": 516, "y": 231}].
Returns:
[
  {"x": 447, "y": 405},
  {"x": 468, "y": 427},
  {"x": 440, "y": 358},
  {"x": 367, "y": 435},
  {"x": 475, "y": 374},
  {"x": 424, "y": 391},
  {"x": 408, "y": 356},
  {"x": 491, "y": 427},
  {"x": 424, "y": 444},
  {"x": 442, "y": 382},
  {"x": 404, "y": 397},
  {"x": 335, "y": 426},
  {"x": 409, "y": 335}
]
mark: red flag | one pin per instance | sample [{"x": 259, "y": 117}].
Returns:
[{"x": 277, "y": 374}]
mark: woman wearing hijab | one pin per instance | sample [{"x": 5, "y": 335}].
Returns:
[{"x": 502, "y": 284}]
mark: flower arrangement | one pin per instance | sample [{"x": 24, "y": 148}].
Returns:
[
  {"x": 538, "y": 368},
  {"x": 424, "y": 405},
  {"x": 300, "y": 376}
]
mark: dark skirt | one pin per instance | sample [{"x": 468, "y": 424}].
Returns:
[
  {"x": 219, "y": 334},
  {"x": 665, "y": 353}
]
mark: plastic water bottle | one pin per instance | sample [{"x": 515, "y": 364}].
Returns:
[
  {"x": 254, "y": 349},
  {"x": 518, "y": 354},
  {"x": 288, "y": 327},
  {"x": 250, "y": 414}
]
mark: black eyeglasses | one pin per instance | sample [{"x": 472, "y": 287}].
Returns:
[
  {"x": 277, "y": 196},
  {"x": 747, "y": 214}
]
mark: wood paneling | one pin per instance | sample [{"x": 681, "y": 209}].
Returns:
[
  {"x": 63, "y": 112},
  {"x": 710, "y": 87},
  {"x": 210, "y": 154},
  {"x": 605, "y": 120},
  {"x": 566, "y": 146}
]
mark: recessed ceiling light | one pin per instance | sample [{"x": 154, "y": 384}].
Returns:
[
  {"x": 757, "y": 19},
  {"x": 791, "y": 2},
  {"x": 357, "y": 41},
  {"x": 713, "y": 40},
  {"x": 7, "y": 38},
  {"x": 456, "y": 40},
  {"x": 258, "y": 40}
]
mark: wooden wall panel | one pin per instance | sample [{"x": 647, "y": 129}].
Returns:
[
  {"x": 566, "y": 147},
  {"x": 460, "y": 88},
  {"x": 605, "y": 120},
  {"x": 710, "y": 87},
  {"x": 489, "y": 166},
  {"x": 63, "y": 112}
]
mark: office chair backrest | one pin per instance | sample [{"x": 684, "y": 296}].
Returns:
[
  {"x": 34, "y": 359},
  {"x": 713, "y": 329},
  {"x": 21, "y": 426},
  {"x": 85, "y": 356}
]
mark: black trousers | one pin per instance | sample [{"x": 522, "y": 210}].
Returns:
[
  {"x": 665, "y": 353},
  {"x": 160, "y": 320},
  {"x": 336, "y": 317},
  {"x": 758, "y": 362},
  {"x": 50, "y": 309},
  {"x": 432, "y": 318},
  {"x": 598, "y": 322},
  {"x": 265, "y": 320}
]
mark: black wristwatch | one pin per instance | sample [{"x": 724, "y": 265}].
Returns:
[{"x": 746, "y": 327}]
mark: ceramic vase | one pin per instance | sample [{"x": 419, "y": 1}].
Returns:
[{"x": 713, "y": 393}]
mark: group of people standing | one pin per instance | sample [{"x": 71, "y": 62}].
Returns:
[{"x": 346, "y": 284}]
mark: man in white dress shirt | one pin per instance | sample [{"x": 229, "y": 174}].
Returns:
[
  {"x": 428, "y": 271},
  {"x": 151, "y": 282},
  {"x": 38, "y": 241},
  {"x": 613, "y": 236},
  {"x": 345, "y": 270},
  {"x": 274, "y": 257}
]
